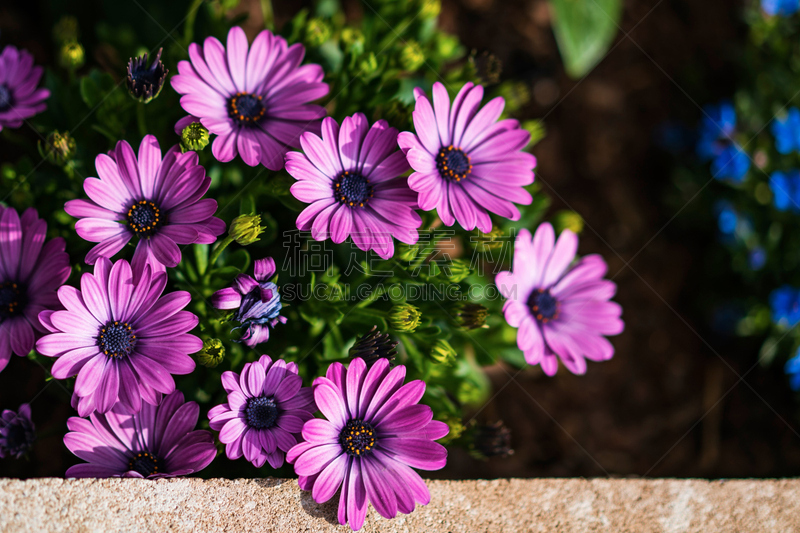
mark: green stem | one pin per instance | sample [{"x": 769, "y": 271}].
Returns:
[
  {"x": 188, "y": 31},
  {"x": 141, "y": 120},
  {"x": 218, "y": 249}
]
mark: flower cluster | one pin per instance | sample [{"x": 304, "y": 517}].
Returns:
[{"x": 165, "y": 283}]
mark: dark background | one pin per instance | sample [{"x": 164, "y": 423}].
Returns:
[{"x": 677, "y": 399}]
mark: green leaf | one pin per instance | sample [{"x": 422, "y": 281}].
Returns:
[{"x": 584, "y": 30}]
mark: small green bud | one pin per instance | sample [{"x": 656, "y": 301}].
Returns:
[
  {"x": 516, "y": 94},
  {"x": 470, "y": 315},
  {"x": 489, "y": 241},
  {"x": 353, "y": 40},
  {"x": 245, "y": 229},
  {"x": 456, "y": 271},
  {"x": 411, "y": 56},
  {"x": 406, "y": 252},
  {"x": 430, "y": 9},
  {"x": 536, "y": 129},
  {"x": 443, "y": 353},
  {"x": 71, "y": 56},
  {"x": 568, "y": 220},
  {"x": 447, "y": 45},
  {"x": 194, "y": 137},
  {"x": 368, "y": 66},
  {"x": 405, "y": 317},
  {"x": 318, "y": 32},
  {"x": 58, "y": 148},
  {"x": 212, "y": 354},
  {"x": 66, "y": 30}
]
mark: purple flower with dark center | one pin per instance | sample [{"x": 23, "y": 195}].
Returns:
[
  {"x": 120, "y": 337},
  {"x": 256, "y": 101},
  {"x": 19, "y": 97},
  {"x": 160, "y": 200},
  {"x": 30, "y": 273},
  {"x": 561, "y": 311},
  {"x": 257, "y": 302},
  {"x": 374, "y": 434},
  {"x": 467, "y": 164},
  {"x": 158, "y": 441},
  {"x": 266, "y": 408},
  {"x": 17, "y": 432},
  {"x": 350, "y": 177}
]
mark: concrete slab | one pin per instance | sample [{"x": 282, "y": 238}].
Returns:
[{"x": 513, "y": 505}]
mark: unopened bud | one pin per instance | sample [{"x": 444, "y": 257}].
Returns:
[
  {"x": 212, "y": 354},
  {"x": 245, "y": 229},
  {"x": 194, "y": 137},
  {"x": 405, "y": 317},
  {"x": 443, "y": 353},
  {"x": 411, "y": 56},
  {"x": 58, "y": 148},
  {"x": 145, "y": 83},
  {"x": 71, "y": 56}
]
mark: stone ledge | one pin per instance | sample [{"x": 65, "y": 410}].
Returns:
[{"x": 267, "y": 505}]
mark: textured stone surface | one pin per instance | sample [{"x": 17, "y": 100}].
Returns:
[{"x": 256, "y": 505}]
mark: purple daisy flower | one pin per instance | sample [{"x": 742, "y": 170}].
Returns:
[
  {"x": 158, "y": 199},
  {"x": 158, "y": 441},
  {"x": 561, "y": 311},
  {"x": 256, "y": 100},
  {"x": 467, "y": 164},
  {"x": 266, "y": 408},
  {"x": 121, "y": 338},
  {"x": 30, "y": 273},
  {"x": 257, "y": 302},
  {"x": 374, "y": 433},
  {"x": 17, "y": 432},
  {"x": 19, "y": 97},
  {"x": 350, "y": 177}
]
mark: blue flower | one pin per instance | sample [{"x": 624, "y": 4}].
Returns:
[
  {"x": 785, "y": 303},
  {"x": 715, "y": 143},
  {"x": 787, "y": 131},
  {"x": 757, "y": 258},
  {"x": 727, "y": 219},
  {"x": 792, "y": 369},
  {"x": 780, "y": 7},
  {"x": 785, "y": 188},
  {"x": 256, "y": 300}
]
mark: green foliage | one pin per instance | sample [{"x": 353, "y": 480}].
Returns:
[{"x": 585, "y": 30}]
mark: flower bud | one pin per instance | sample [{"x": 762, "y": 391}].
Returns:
[
  {"x": 318, "y": 32},
  {"x": 456, "y": 271},
  {"x": 368, "y": 67},
  {"x": 568, "y": 220},
  {"x": 411, "y": 56},
  {"x": 406, "y": 252},
  {"x": 212, "y": 354},
  {"x": 404, "y": 317},
  {"x": 145, "y": 83},
  {"x": 430, "y": 9},
  {"x": 486, "y": 67},
  {"x": 245, "y": 229},
  {"x": 374, "y": 345},
  {"x": 71, "y": 56},
  {"x": 194, "y": 137},
  {"x": 492, "y": 440},
  {"x": 58, "y": 148},
  {"x": 353, "y": 40},
  {"x": 470, "y": 315},
  {"x": 443, "y": 353}
]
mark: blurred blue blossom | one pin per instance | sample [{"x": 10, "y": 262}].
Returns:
[
  {"x": 780, "y": 7},
  {"x": 715, "y": 143},
  {"x": 792, "y": 370},
  {"x": 727, "y": 218},
  {"x": 785, "y": 188},
  {"x": 787, "y": 131},
  {"x": 757, "y": 258},
  {"x": 785, "y": 304}
]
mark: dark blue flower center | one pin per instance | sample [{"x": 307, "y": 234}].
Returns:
[
  {"x": 453, "y": 163},
  {"x": 116, "y": 339},
  {"x": 144, "y": 218},
  {"x": 352, "y": 188},
  {"x": 5, "y": 97},
  {"x": 261, "y": 412},
  {"x": 144, "y": 463},
  {"x": 16, "y": 437},
  {"x": 357, "y": 438},
  {"x": 246, "y": 108},
  {"x": 543, "y": 305},
  {"x": 11, "y": 300}
]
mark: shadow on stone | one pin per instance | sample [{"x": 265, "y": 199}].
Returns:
[
  {"x": 271, "y": 482},
  {"x": 328, "y": 510}
]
